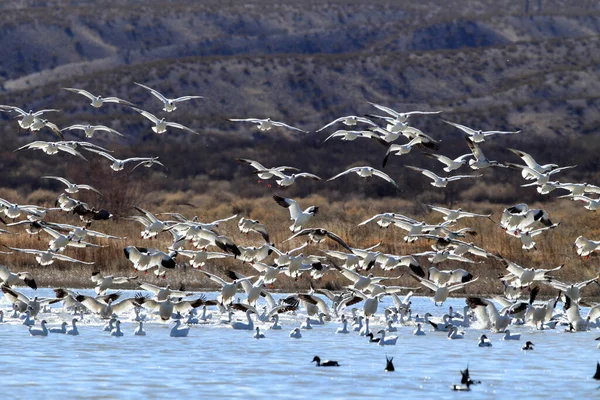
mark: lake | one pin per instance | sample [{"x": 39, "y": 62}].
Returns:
[{"x": 215, "y": 361}]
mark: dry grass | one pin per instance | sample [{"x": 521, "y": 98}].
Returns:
[{"x": 555, "y": 247}]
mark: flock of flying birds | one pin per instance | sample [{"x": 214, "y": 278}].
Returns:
[{"x": 198, "y": 243}]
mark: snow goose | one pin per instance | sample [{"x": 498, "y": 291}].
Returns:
[
  {"x": 161, "y": 125},
  {"x": 47, "y": 257},
  {"x": 350, "y": 136},
  {"x": 402, "y": 149},
  {"x": 487, "y": 314},
  {"x": 62, "y": 329},
  {"x": 52, "y": 148},
  {"x": 41, "y": 123},
  {"x": 361, "y": 282},
  {"x": 98, "y": 101},
  {"x": 152, "y": 225},
  {"x": 528, "y": 237},
  {"x": 576, "y": 321},
  {"x": 317, "y": 235},
  {"x": 167, "y": 307},
  {"x": 451, "y": 164},
  {"x": 89, "y": 130},
  {"x": 540, "y": 178},
  {"x": 169, "y": 105},
  {"x": 455, "y": 215},
  {"x": 454, "y": 334},
  {"x": 27, "y": 321},
  {"x": 532, "y": 164},
  {"x": 116, "y": 331},
  {"x": 439, "y": 256},
  {"x": 71, "y": 187},
  {"x": 528, "y": 346},
  {"x": 325, "y": 363},
  {"x": 200, "y": 257},
  {"x": 386, "y": 341},
  {"x": 350, "y": 120},
  {"x": 439, "y": 181},
  {"x": 73, "y": 331},
  {"x": 266, "y": 124},
  {"x": 578, "y": 189},
  {"x": 591, "y": 204},
  {"x": 572, "y": 290},
  {"x": 479, "y": 160},
  {"x": 103, "y": 283},
  {"x": 390, "y": 327},
  {"x": 28, "y": 118},
  {"x": 119, "y": 164},
  {"x": 59, "y": 241},
  {"x": 585, "y": 246},
  {"x": 297, "y": 215},
  {"x": 441, "y": 292},
  {"x": 149, "y": 163},
  {"x": 295, "y": 333},
  {"x": 43, "y": 331},
  {"x": 366, "y": 172},
  {"x": 258, "y": 334},
  {"x": 418, "y": 331},
  {"x": 246, "y": 225},
  {"x": 179, "y": 331},
  {"x": 536, "y": 314},
  {"x": 284, "y": 180},
  {"x": 105, "y": 306},
  {"x": 524, "y": 276},
  {"x": 228, "y": 289},
  {"x": 478, "y": 136},
  {"x": 262, "y": 171},
  {"x": 509, "y": 336},
  {"x": 401, "y": 116},
  {"x": 484, "y": 341},
  {"x": 386, "y": 219},
  {"x": 520, "y": 217},
  {"x": 11, "y": 279}
]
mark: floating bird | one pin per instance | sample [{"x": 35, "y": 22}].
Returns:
[
  {"x": 465, "y": 382},
  {"x": 169, "y": 105},
  {"x": 295, "y": 333},
  {"x": 43, "y": 331},
  {"x": 389, "y": 365},
  {"x": 179, "y": 331},
  {"x": 326, "y": 363},
  {"x": 528, "y": 346},
  {"x": 258, "y": 334},
  {"x": 484, "y": 341}
]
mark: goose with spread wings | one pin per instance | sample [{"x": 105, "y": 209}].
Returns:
[
  {"x": 401, "y": 116},
  {"x": 169, "y": 105},
  {"x": 450, "y": 164},
  {"x": 402, "y": 149},
  {"x": 41, "y": 123},
  {"x": 366, "y": 172},
  {"x": 228, "y": 289},
  {"x": 287, "y": 180},
  {"x": 520, "y": 276},
  {"x": 297, "y": 215},
  {"x": 318, "y": 235},
  {"x": 455, "y": 215},
  {"x": 439, "y": 181},
  {"x": 479, "y": 160},
  {"x": 103, "y": 283},
  {"x": 47, "y": 257},
  {"x": 52, "y": 148},
  {"x": 441, "y": 292},
  {"x": 119, "y": 164},
  {"x": 161, "y": 124},
  {"x": 246, "y": 225},
  {"x": 478, "y": 136},
  {"x": 71, "y": 187},
  {"x": 89, "y": 130},
  {"x": 262, "y": 171},
  {"x": 11, "y": 279},
  {"x": 98, "y": 101},
  {"x": 266, "y": 124},
  {"x": 28, "y": 118},
  {"x": 350, "y": 120}
]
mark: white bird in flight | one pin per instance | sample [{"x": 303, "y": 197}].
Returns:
[
  {"x": 169, "y": 105},
  {"x": 98, "y": 101},
  {"x": 89, "y": 130},
  {"x": 366, "y": 172},
  {"x": 52, "y": 148},
  {"x": 161, "y": 124},
  {"x": 350, "y": 120},
  {"x": 71, "y": 187},
  {"x": 118, "y": 164},
  {"x": 478, "y": 136},
  {"x": 266, "y": 124},
  {"x": 438, "y": 181}
]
